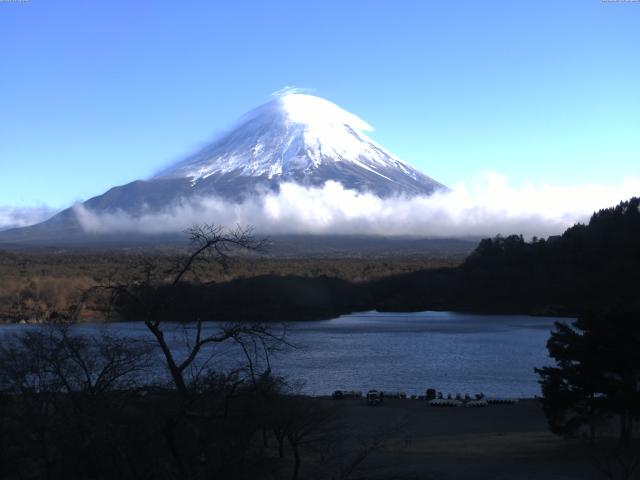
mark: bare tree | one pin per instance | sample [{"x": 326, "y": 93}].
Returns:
[
  {"x": 65, "y": 386},
  {"x": 29, "y": 377},
  {"x": 209, "y": 243},
  {"x": 309, "y": 426}
]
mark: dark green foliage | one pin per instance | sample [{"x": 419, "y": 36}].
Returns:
[
  {"x": 262, "y": 298},
  {"x": 589, "y": 266},
  {"x": 597, "y": 372}
]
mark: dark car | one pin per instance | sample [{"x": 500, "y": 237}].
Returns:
[{"x": 374, "y": 397}]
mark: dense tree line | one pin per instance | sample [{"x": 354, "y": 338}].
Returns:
[
  {"x": 588, "y": 266},
  {"x": 39, "y": 285}
]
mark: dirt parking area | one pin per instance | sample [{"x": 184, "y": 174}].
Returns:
[{"x": 495, "y": 442}]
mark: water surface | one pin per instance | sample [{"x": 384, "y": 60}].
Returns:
[{"x": 452, "y": 352}]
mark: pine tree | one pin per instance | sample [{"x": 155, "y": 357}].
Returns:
[{"x": 596, "y": 375}]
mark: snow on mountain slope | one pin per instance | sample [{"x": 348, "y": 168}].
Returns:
[
  {"x": 305, "y": 139},
  {"x": 299, "y": 153}
]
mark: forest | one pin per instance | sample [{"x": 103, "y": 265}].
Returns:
[{"x": 588, "y": 266}]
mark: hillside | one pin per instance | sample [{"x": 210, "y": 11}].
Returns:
[{"x": 590, "y": 265}]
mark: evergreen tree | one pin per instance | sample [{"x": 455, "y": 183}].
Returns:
[{"x": 596, "y": 374}]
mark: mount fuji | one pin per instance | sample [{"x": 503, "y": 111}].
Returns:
[
  {"x": 294, "y": 138},
  {"x": 302, "y": 139}
]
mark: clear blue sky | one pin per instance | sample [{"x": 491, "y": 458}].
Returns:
[{"x": 96, "y": 94}]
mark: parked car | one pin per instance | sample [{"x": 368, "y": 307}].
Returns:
[{"x": 374, "y": 397}]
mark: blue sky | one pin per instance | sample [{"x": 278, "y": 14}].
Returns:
[{"x": 96, "y": 94}]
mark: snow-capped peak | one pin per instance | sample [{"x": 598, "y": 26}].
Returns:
[
  {"x": 318, "y": 113},
  {"x": 292, "y": 137}
]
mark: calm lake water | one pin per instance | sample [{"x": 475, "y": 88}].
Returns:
[{"x": 452, "y": 352}]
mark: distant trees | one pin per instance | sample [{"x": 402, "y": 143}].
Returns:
[
  {"x": 597, "y": 373},
  {"x": 43, "y": 298}
]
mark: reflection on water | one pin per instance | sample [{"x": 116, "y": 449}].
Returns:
[{"x": 452, "y": 352}]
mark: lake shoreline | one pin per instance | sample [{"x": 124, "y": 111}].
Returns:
[{"x": 560, "y": 314}]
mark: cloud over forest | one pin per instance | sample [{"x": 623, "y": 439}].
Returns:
[{"x": 488, "y": 205}]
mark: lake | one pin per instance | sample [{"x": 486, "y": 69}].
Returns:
[{"x": 451, "y": 352}]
